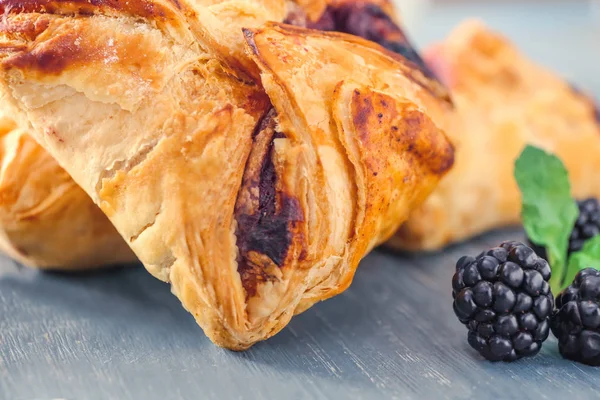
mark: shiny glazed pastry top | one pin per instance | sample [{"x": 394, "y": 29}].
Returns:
[{"x": 250, "y": 169}]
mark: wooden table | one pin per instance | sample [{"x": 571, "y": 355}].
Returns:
[{"x": 121, "y": 335}]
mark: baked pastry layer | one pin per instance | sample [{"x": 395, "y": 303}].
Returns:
[
  {"x": 46, "y": 220},
  {"x": 250, "y": 170}
]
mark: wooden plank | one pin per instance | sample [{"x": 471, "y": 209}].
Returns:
[{"x": 122, "y": 335}]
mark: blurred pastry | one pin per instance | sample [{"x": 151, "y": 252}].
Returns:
[
  {"x": 46, "y": 220},
  {"x": 502, "y": 101}
]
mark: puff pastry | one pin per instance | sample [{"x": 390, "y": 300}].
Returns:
[
  {"x": 46, "y": 220},
  {"x": 253, "y": 184},
  {"x": 503, "y": 101},
  {"x": 48, "y": 227}
]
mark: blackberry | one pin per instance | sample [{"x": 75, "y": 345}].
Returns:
[
  {"x": 576, "y": 320},
  {"x": 504, "y": 299},
  {"x": 586, "y": 227}
]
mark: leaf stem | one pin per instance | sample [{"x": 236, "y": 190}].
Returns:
[{"x": 558, "y": 274}]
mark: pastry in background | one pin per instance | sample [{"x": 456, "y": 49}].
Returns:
[
  {"x": 46, "y": 220},
  {"x": 502, "y": 101},
  {"x": 253, "y": 199}
]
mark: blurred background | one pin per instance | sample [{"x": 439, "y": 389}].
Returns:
[{"x": 561, "y": 34}]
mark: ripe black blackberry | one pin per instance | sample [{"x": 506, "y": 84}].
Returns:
[
  {"x": 504, "y": 299},
  {"x": 576, "y": 321},
  {"x": 586, "y": 227}
]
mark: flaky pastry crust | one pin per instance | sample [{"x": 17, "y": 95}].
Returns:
[
  {"x": 46, "y": 220},
  {"x": 252, "y": 172},
  {"x": 73, "y": 236}
]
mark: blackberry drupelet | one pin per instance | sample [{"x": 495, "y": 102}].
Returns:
[
  {"x": 504, "y": 299},
  {"x": 576, "y": 320},
  {"x": 586, "y": 227}
]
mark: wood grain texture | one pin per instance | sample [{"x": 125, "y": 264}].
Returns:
[{"x": 122, "y": 335}]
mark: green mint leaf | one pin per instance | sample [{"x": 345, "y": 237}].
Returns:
[
  {"x": 548, "y": 210},
  {"x": 587, "y": 257}
]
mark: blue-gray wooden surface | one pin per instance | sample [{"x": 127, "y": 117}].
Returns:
[{"x": 120, "y": 334}]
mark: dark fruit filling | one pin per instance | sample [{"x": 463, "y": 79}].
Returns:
[
  {"x": 372, "y": 23},
  {"x": 264, "y": 214}
]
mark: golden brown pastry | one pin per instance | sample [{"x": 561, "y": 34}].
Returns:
[
  {"x": 48, "y": 227},
  {"x": 46, "y": 220},
  {"x": 254, "y": 199},
  {"x": 503, "y": 101},
  {"x": 374, "y": 20}
]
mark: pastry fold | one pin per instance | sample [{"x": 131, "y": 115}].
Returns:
[
  {"x": 252, "y": 184},
  {"x": 46, "y": 220},
  {"x": 503, "y": 101},
  {"x": 65, "y": 232}
]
